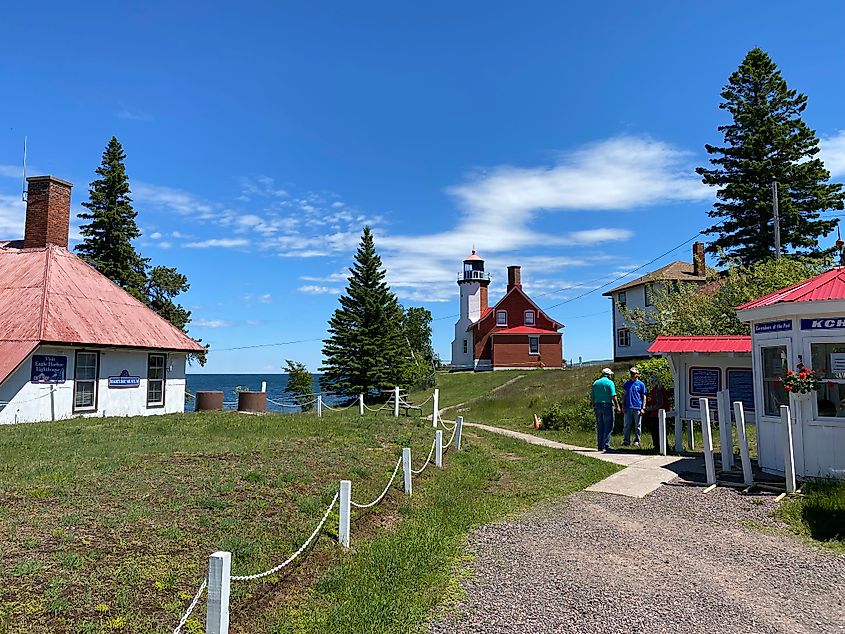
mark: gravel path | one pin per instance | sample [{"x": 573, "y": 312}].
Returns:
[{"x": 676, "y": 561}]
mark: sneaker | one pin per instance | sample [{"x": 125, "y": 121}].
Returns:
[{"x": 636, "y": 444}]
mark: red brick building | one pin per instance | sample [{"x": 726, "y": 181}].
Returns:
[{"x": 513, "y": 334}]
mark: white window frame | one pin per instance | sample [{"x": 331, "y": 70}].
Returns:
[
  {"x": 837, "y": 339},
  {"x": 156, "y": 380},
  {"x": 627, "y": 332},
  {"x": 534, "y": 338},
  {"x": 526, "y": 315},
  {"x": 77, "y": 382},
  {"x": 501, "y": 313}
]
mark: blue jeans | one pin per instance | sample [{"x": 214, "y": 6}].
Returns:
[
  {"x": 633, "y": 418},
  {"x": 604, "y": 424}
]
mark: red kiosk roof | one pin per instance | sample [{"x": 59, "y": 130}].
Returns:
[
  {"x": 711, "y": 344},
  {"x": 830, "y": 285}
]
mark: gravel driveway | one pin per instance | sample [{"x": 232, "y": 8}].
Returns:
[{"x": 676, "y": 561}]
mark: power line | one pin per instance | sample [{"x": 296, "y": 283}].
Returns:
[{"x": 264, "y": 345}]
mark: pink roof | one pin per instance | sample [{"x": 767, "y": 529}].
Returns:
[
  {"x": 49, "y": 295},
  {"x": 12, "y": 354},
  {"x": 524, "y": 330},
  {"x": 474, "y": 256},
  {"x": 830, "y": 285},
  {"x": 727, "y": 343}
]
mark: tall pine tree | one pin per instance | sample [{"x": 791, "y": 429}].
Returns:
[
  {"x": 107, "y": 238},
  {"x": 366, "y": 349},
  {"x": 767, "y": 142}
]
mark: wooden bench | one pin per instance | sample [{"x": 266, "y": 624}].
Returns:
[{"x": 407, "y": 407}]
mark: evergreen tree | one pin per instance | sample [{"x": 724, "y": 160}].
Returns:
[
  {"x": 767, "y": 142},
  {"x": 366, "y": 349},
  {"x": 300, "y": 385},
  {"x": 417, "y": 331},
  {"x": 111, "y": 227}
]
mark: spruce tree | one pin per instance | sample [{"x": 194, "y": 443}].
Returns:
[
  {"x": 767, "y": 141},
  {"x": 366, "y": 349},
  {"x": 111, "y": 227},
  {"x": 300, "y": 384}
]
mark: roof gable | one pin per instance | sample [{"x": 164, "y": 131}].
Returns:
[
  {"x": 676, "y": 271},
  {"x": 516, "y": 289},
  {"x": 829, "y": 285},
  {"x": 50, "y": 295}
]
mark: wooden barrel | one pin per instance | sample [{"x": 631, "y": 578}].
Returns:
[
  {"x": 209, "y": 402},
  {"x": 252, "y": 402}
]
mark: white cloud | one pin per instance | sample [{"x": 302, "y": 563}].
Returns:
[
  {"x": 226, "y": 243},
  {"x": 212, "y": 323},
  {"x": 11, "y": 171},
  {"x": 266, "y": 298},
  {"x": 12, "y": 216},
  {"x": 155, "y": 235},
  {"x": 833, "y": 153},
  {"x": 172, "y": 199},
  {"x": 132, "y": 115},
  {"x": 313, "y": 289}
]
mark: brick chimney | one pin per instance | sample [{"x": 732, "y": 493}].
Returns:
[
  {"x": 514, "y": 277},
  {"x": 47, "y": 212},
  {"x": 699, "y": 268}
]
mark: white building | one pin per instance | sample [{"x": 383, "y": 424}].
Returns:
[
  {"x": 637, "y": 294},
  {"x": 72, "y": 343},
  {"x": 472, "y": 282}
]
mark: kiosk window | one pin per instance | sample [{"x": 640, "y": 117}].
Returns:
[
  {"x": 774, "y": 365},
  {"x": 829, "y": 364}
]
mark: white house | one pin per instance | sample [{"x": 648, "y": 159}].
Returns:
[
  {"x": 637, "y": 294},
  {"x": 72, "y": 343}
]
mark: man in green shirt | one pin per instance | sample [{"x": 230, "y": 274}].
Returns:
[{"x": 604, "y": 401}]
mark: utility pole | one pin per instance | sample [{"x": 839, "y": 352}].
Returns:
[{"x": 776, "y": 218}]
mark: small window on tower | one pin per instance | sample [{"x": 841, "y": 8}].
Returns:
[
  {"x": 501, "y": 318},
  {"x": 466, "y": 346}
]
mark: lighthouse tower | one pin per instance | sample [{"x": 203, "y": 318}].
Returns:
[{"x": 473, "y": 283}]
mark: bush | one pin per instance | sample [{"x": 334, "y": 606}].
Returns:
[{"x": 568, "y": 415}]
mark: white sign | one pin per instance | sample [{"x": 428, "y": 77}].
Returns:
[{"x": 837, "y": 364}]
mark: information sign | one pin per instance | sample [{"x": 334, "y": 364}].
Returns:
[
  {"x": 741, "y": 387},
  {"x": 124, "y": 380},
  {"x": 705, "y": 381},
  {"x": 48, "y": 368}
]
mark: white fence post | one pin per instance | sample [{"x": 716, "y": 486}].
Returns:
[
  {"x": 679, "y": 431},
  {"x": 788, "y": 450},
  {"x": 264, "y": 386},
  {"x": 459, "y": 426},
  {"x": 345, "y": 508},
  {"x": 661, "y": 425},
  {"x": 707, "y": 440},
  {"x": 406, "y": 470},
  {"x": 436, "y": 413},
  {"x": 747, "y": 474},
  {"x": 361, "y": 404},
  {"x": 396, "y": 402},
  {"x": 691, "y": 434},
  {"x": 726, "y": 436},
  {"x": 217, "y": 605},
  {"x": 438, "y": 448},
  {"x": 319, "y": 405}
]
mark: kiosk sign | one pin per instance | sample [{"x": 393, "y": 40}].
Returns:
[
  {"x": 773, "y": 326},
  {"x": 829, "y": 323},
  {"x": 48, "y": 368},
  {"x": 124, "y": 380},
  {"x": 705, "y": 381}
]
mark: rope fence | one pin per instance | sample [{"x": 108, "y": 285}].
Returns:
[{"x": 218, "y": 579}]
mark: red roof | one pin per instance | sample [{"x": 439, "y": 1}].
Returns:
[
  {"x": 729, "y": 343},
  {"x": 49, "y": 295},
  {"x": 474, "y": 257},
  {"x": 524, "y": 330},
  {"x": 830, "y": 285},
  {"x": 12, "y": 354}
]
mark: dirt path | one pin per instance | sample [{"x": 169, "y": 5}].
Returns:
[{"x": 676, "y": 561}]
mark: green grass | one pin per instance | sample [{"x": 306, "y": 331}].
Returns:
[
  {"x": 459, "y": 387},
  {"x": 818, "y": 514},
  {"x": 106, "y": 524}
]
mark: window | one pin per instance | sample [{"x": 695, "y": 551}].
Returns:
[
  {"x": 623, "y": 337},
  {"x": 155, "y": 380},
  {"x": 622, "y": 298},
  {"x": 774, "y": 365},
  {"x": 648, "y": 292},
  {"x": 85, "y": 372},
  {"x": 501, "y": 318},
  {"x": 529, "y": 318},
  {"x": 534, "y": 345},
  {"x": 829, "y": 364},
  {"x": 466, "y": 346}
]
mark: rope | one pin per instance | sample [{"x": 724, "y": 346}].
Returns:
[
  {"x": 187, "y": 393},
  {"x": 302, "y": 548},
  {"x": 191, "y": 607},
  {"x": 427, "y": 400},
  {"x": 454, "y": 431},
  {"x": 383, "y": 493},
  {"x": 427, "y": 460},
  {"x": 340, "y": 409},
  {"x": 280, "y": 404}
]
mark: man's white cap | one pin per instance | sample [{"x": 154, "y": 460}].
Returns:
[{"x": 607, "y": 371}]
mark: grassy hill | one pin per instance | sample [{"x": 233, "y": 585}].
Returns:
[{"x": 106, "y": 524}]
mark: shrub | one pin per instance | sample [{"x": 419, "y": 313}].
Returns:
[{"x": 568, "y": 415}]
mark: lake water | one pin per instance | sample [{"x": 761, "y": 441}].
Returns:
[{"x": 228, "y": 384}]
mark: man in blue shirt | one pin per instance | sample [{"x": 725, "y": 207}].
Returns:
[
  {"x": 604, "y": 401},
  {"x": 634, "y": 407}
]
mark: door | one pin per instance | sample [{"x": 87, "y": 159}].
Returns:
[{"x": 775, "y": 358}]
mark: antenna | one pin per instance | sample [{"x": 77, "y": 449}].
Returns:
[{"x": 23, "y": 182}]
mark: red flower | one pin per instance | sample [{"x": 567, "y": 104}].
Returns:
[
  {"x": 788, "y": 388},
  {"x": 790, "y": 372},
  {"x": 803, "y": 375}
]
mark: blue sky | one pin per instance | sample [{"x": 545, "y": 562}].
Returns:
[{"x": 262, "y": 136}]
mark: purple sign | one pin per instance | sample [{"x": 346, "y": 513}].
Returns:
[
  {"x": 773, "y": 326},
  {"x": 48, "y": 368}
]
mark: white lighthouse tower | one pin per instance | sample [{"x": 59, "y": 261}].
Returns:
[{"x": 473, "y": 283}]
